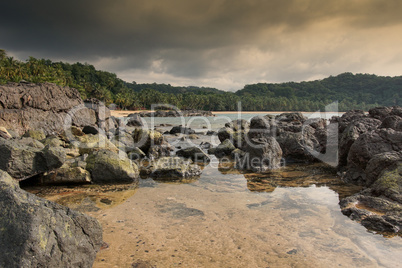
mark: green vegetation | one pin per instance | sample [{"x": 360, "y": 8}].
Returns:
[{"x": 352, "y": 91}]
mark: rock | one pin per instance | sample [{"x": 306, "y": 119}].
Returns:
[
  {"x": 234, "y": 131},
  {"x": 393, "y": 121},
  {"x": 174, "y": 168},
  {"x": 30, "y": 142},
  {"x": 108, "y": 166},
  {"x": 291, "y": 117},
  {"x": 135, "y": 121},
  {"x": 205, "y": 145},
  {"x": 380, "y": 162},
  {"x": 352, "y": 132},
  {"x": 237, "y": 153},
  {"x": 375, "y": 213},
  {"x": 104, "y": 120},
  {"x": 90, "y": 143},
  {"x": 260, "y": 155},
  {"x": 66, "y": 174},
  {"x": 45, "y": 107},
  {"x": 136, "y": 154},
  {"x": 158, "y": 151},
  {"x": 194, "y": 153},
  {"x": 22, "y": 161},
  {"x": 299, "y": 146},
  {"x": 39, "y": 233},
  {"x": 262, "y": 126},
  {"x": 124, "y": 141},
  {"x": 182, "y": 130},
  {"x": 94, "y": 130},
  {"x": 380, "y": 112},
  {"x": 210, "y": 133},
  {"x": 366, "y": 147},
  {"x": 4, "y": 133},
  {"x": 238, "y": 125},
  {"x": 389, "y": 183},
  {"x": 224, "y": 149},
  {"x": 145, "y": 139},
  {"x": 53, "y": 141},
  {"x": 348, "y": 117},
  {"x": 35, "y": 134}
]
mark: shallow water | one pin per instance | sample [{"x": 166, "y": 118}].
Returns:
[{"x": 287, "y": 218}]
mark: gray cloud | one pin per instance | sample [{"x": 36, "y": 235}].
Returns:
[{"x": 222, "y": 42}]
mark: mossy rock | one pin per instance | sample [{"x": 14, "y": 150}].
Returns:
[
  {"x": 390, "y": 184},
  {"x": 91, "y": 143},
  {"x": 35, "y": 134},
  {"x": 145, "y": 138},
  {"x": 174, "y": 168},
  {"x": 109, "y": 166}
]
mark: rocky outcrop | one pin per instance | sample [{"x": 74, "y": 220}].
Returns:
[
  {"x": 45, "y": 107},
  {"x": 366, "y": 147},
  {"x": 38, "y": 233},
  {"x": 22, "y": 161}
]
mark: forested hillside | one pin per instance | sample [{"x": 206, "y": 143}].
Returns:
[{"x": 352, "y": 91}]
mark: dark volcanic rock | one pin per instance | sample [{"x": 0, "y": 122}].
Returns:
[
  {"x": 349, "y": 117},
  {"x": 392, "y": 121},
  {"x": 182, "y": 130},
  {"x": 260, "y": 155},
  {"x": 380, "y": 112},
  {"x": 23, "y": 161},
  {"x": 134, "y": 120},
  {"x": 352, "y": 132},
  {"x": 366, "y": 147},
  {"x": 38, "y": 233},
  {"x": 194, "y": 153},
  {"x": 224, "y": 149},
  {"x": 380, "y": 162},
  {"x": 45, "y": 107}
]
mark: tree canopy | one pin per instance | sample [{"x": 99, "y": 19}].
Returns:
[{"x": 352, "y": 91}]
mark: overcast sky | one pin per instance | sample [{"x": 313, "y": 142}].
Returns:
[{"x": 219, "y": 43}]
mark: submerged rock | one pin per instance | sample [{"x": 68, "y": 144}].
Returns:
[
  {"x": 194, "y": 153},
  {"x": 39, "y": 233},
  {"x": 182, "y": 130},
  {"x": 174, "y": 168}
]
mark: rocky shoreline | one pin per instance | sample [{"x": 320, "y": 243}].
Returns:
[{"x": 49, "y": 136}]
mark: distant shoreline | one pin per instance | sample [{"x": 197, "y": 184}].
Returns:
[{"x": 125, "y": 113}]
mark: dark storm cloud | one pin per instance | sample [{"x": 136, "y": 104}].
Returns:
[{"x": 240, "y": 40}]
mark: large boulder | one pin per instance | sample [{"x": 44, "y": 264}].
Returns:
[
  {"x": 145, "y": 138},
  {"x": 366, "y": 147},
  {"x": 352, "y": 132},
  {"x": 134, "y": 120},
  {"x": 347, "y": 118},
  {"x": 39, "y": 233},
  {"x": 392, "y": 121},
  {"x": 299, "y": 146},
  {"x": 23, "y": 161},
  {"x": 45, "y": 107},
  {"x": 90, "y": 143},
  {"x": 260, "y": 155},
  {"x": 108, "y": 166},
  {"x": 380, "y": 162}
]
